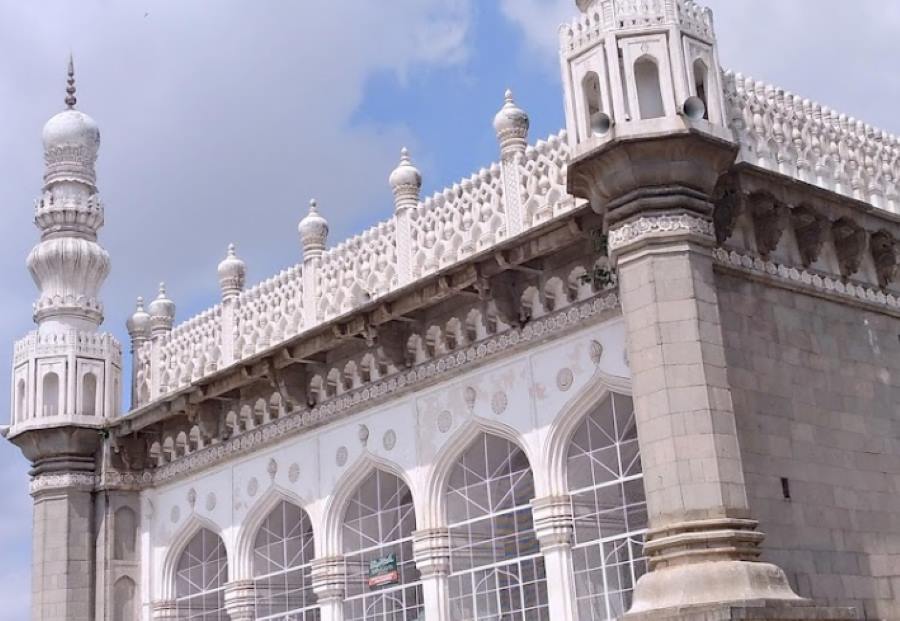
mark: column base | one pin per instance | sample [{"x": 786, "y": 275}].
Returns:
[
  {"x": 749, "y": 610},
  {"x": 724, "y": 590}
]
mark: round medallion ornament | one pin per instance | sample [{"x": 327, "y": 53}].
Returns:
[
  {"x": 340, "y": 457},
  {"x": 444, "y": 421},
  {"x": 175, "y": 514},
  {"x": 210, "y": 501},
  {"x": 564, "y": 379},
  {"x": 192, "y": 497},
  {"x": 499, "y": 402},
  {"x": 272, "y": 468},
  {"x": 389, "y": 440},
  {"x": 252, "y": 487},
  {"x": 294, "y": 472},
  {"x": 363, "y": 435}
]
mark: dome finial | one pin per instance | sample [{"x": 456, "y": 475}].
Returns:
[
  {"x": 313, "y": 229},
  {"x": 511, "y": 124},
  {"x": 70, "y": 84},
  {"x": 232, "y": 274}
]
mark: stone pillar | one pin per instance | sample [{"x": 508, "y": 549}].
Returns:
[
  {"x": 703, "y": 545},
  {"x": 431, "y": 550},
  {"x": 328, "y": 578},
  {"x": 63, "y": 553},
  {"x": 511, "y": 126},
  {"x": 240, "y": 600},
  {"x": 554, "y": 526}
]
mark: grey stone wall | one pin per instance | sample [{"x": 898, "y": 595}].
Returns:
[
  {"x": 816, "y": 390},
  {"x": 62, "y": 556}
]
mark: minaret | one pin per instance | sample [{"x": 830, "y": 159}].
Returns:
[{"x": 66, "y": 374}]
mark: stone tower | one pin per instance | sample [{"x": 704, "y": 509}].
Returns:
[
  {"x": 66, "y": 374},
  {"x": 644, "y": 111}
]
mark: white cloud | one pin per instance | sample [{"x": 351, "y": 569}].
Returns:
[
  {"x": 539, "y": 21},
  {"x": 219, "y": 122}
]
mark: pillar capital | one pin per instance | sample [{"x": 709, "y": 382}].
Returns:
[
  {"x": 240, "y": 600},
  {"x": 164, "y": 611},
  {"x": 328, "y": 577},
  {"x": 431, "y": 551},
  {"x": 553, "y": 521}
]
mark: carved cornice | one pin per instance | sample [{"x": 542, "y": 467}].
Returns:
[
  {"x": 367, "y": 395},
  {"x": 553, "y": 521},
  {"x": 806, "y": 280},
  {"x": 328, "y": 577},
  {"x": 76, "y": 481},
  {"x": 659, "y": 226},
  {"x": 431, "y": 550}
]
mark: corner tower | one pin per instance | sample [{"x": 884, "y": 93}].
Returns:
[
  {"x": 650, "y": 141},
  {"x": 66, "y": 374}
]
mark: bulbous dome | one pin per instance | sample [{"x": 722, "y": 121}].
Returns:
[
  {"x": 232, "y": 272},
  {"x": 162, "y": 309},
  {"x": 511, "y": 118},
  {"x": 405, "y": 175},
  {"x": 313, "y": 229},
  {"x": 71, "y": 128},
  {"x": 138, "y": 325}
]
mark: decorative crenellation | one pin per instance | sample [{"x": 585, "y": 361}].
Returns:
[
  {"x": 542, "y": 180},
  {"x": 458, "y": 222},
  {"x": 783, "y": 132},
  {"x": 249, "y": 425},
  {"x": 81, "y": 343},
  {"x": 443, "y": 229},
  {"x": 357, "y": 271},
  {"x": 600, "y": 17}
]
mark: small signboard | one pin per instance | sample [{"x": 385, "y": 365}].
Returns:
[{"x": 383, "y": 571}]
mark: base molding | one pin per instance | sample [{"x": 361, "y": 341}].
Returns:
[{"x": 749, "y": 610}]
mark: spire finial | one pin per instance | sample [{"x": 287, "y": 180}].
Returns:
[
  {"x": 313, "y": 206},
  {"x": 70, "y": 84},
  {"x": 231, "y": 250},
  {"x": 140, "y": 303},
  {"x": 404, "y": 156},
  {"x": 509, "y": 97},
  {"x": 162, "y": 289}
]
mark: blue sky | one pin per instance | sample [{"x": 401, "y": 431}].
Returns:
[{"x": 220, "y": 120}]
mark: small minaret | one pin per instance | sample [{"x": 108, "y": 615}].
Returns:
[
  {"x": 406, "y": 184},
  {"x": 138, "y": 326},
  {"x": 66, "y": 373},
  {"x": 313, "y": 230},
  {"x": 511, "y": 124},
  {"x": 633, "y": 68}
]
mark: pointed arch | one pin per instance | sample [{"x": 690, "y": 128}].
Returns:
[
  {"x": 572, "y": 414},
  {"x": 433, "y": 513},
  {"x": 346, "y": 486},
  {"x": 242, "y": 565},
  {"x": 649, "y": 87},
  {"x": 177, "y": 545},
  {"x": 124, "y": 604}
]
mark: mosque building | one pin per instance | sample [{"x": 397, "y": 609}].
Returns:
[{"x": 646, "y": 368}]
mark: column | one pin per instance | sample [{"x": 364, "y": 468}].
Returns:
[
  {"x": 554, "y": 526},
  {"x": 240, "y": 600},
  {"x": 406, "y": 184},
  {"x": 328, "y": 578},
  {"x": 431, "y": 550},
  {"x": 703, "y": 544},
  {"x": 63, "y": 537}
]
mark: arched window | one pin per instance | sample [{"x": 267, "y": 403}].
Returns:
[
  {"x": 123, "y": 599},
  {"x": 50, "y": 394},
  {"x": 382, "y": 579},
  {"x": 282, "y": 553},
  {"x": 497, "y": 571},
  {"x": 701, "y": 83},
  {"x": 89, "y": 394},
  {"x": 649, "y": 91},
  {"x": 603, "y": 471},
  {"x": 593, "y": 104},
  {"x": 124, "y": 534},
  {"x": 20, "y": 400},
  {"x": 200, "y": 577}
]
